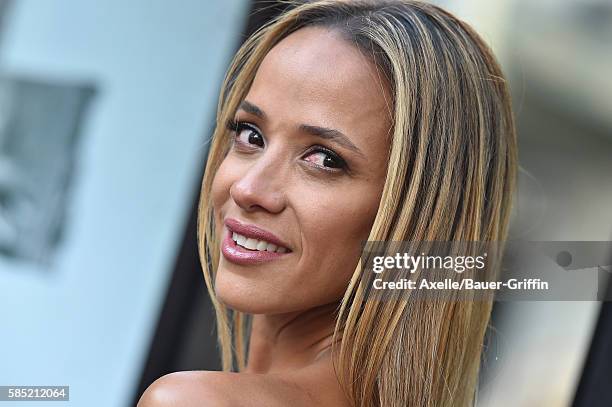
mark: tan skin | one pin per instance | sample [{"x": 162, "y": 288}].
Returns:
[{"x": 275, "y": 177}]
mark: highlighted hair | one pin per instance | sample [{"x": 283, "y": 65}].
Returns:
[{"x": 450, "y": 177}]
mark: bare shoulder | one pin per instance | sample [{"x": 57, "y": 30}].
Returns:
[
  {"x": 306, "y": 387},
  {"x": 186, "y": 389}
]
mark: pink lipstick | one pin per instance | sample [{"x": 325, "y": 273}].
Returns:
[{"x": 238, "y": 254}]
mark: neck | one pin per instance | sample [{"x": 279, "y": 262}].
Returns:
[{"x": 289, "y": 341}]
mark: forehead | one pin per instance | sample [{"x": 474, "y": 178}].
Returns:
[{"x": 314, "y": 76}]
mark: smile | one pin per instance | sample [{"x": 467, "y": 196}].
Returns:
[
  {"x": 255, "y": 244},
  {"x": 245, "y": 244}
]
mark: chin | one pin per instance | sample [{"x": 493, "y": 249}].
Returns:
[
  {"x": 247, "y": 306},
  {"x": 244, "y": 296}
]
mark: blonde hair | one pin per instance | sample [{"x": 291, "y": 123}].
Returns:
[{"x": 450, "y": 177}]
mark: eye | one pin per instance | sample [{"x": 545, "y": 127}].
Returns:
[
  {"x": 326, "y": 158},
  {"x": 246, "y": 134}
]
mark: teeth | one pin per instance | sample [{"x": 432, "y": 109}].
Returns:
[
  {"x": 255, "y": 244},
  {"x": 251, "y": 243}
]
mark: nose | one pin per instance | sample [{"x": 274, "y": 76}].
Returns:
[{"x": 261, "y": 187}]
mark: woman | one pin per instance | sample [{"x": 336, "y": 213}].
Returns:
[{"x": 341, "y": 122}]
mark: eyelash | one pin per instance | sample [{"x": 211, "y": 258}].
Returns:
[{"x": 238, "y": 126}]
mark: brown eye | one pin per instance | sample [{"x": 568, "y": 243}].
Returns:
[
  {"x": 246, "y": 134},
  {"x": 322, "y": 159},
  {"x": 325, "y": 158},
  {"x": 249, "y": 136}
]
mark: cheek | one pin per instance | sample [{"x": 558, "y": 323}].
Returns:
[
  {"x": 348, "y": 214},
  {"x": 334, "y": 228}
]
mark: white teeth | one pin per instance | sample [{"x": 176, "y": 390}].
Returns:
[
  {"x": 255, "y": 244},
  {"x": 251, "y": 243}
]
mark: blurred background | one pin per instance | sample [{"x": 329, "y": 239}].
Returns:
[{"x": 105, "y": 108}]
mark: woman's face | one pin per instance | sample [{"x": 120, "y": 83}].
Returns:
[{"x": 305, "y": 171}]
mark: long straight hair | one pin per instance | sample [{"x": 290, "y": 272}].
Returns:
[{"x": 450, "y": 177}]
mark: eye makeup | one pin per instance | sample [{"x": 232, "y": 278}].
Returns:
[
  {"x": 254, "y": 137},
  {"x": 330, "y": 161}
]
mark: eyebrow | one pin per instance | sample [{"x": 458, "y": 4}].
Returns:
[
  {"x": 318, "y": 131},
  {"x": 251, "y": 108}
]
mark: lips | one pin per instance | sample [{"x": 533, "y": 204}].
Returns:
[
  {"x": 271, "y": 247},
  {"x": 254, "y": 232}
]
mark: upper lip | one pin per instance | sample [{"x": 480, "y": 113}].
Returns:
[{"x": 254, "y": 232}]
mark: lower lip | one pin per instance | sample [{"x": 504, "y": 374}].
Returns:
[{"x": 240, "y": 255}]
